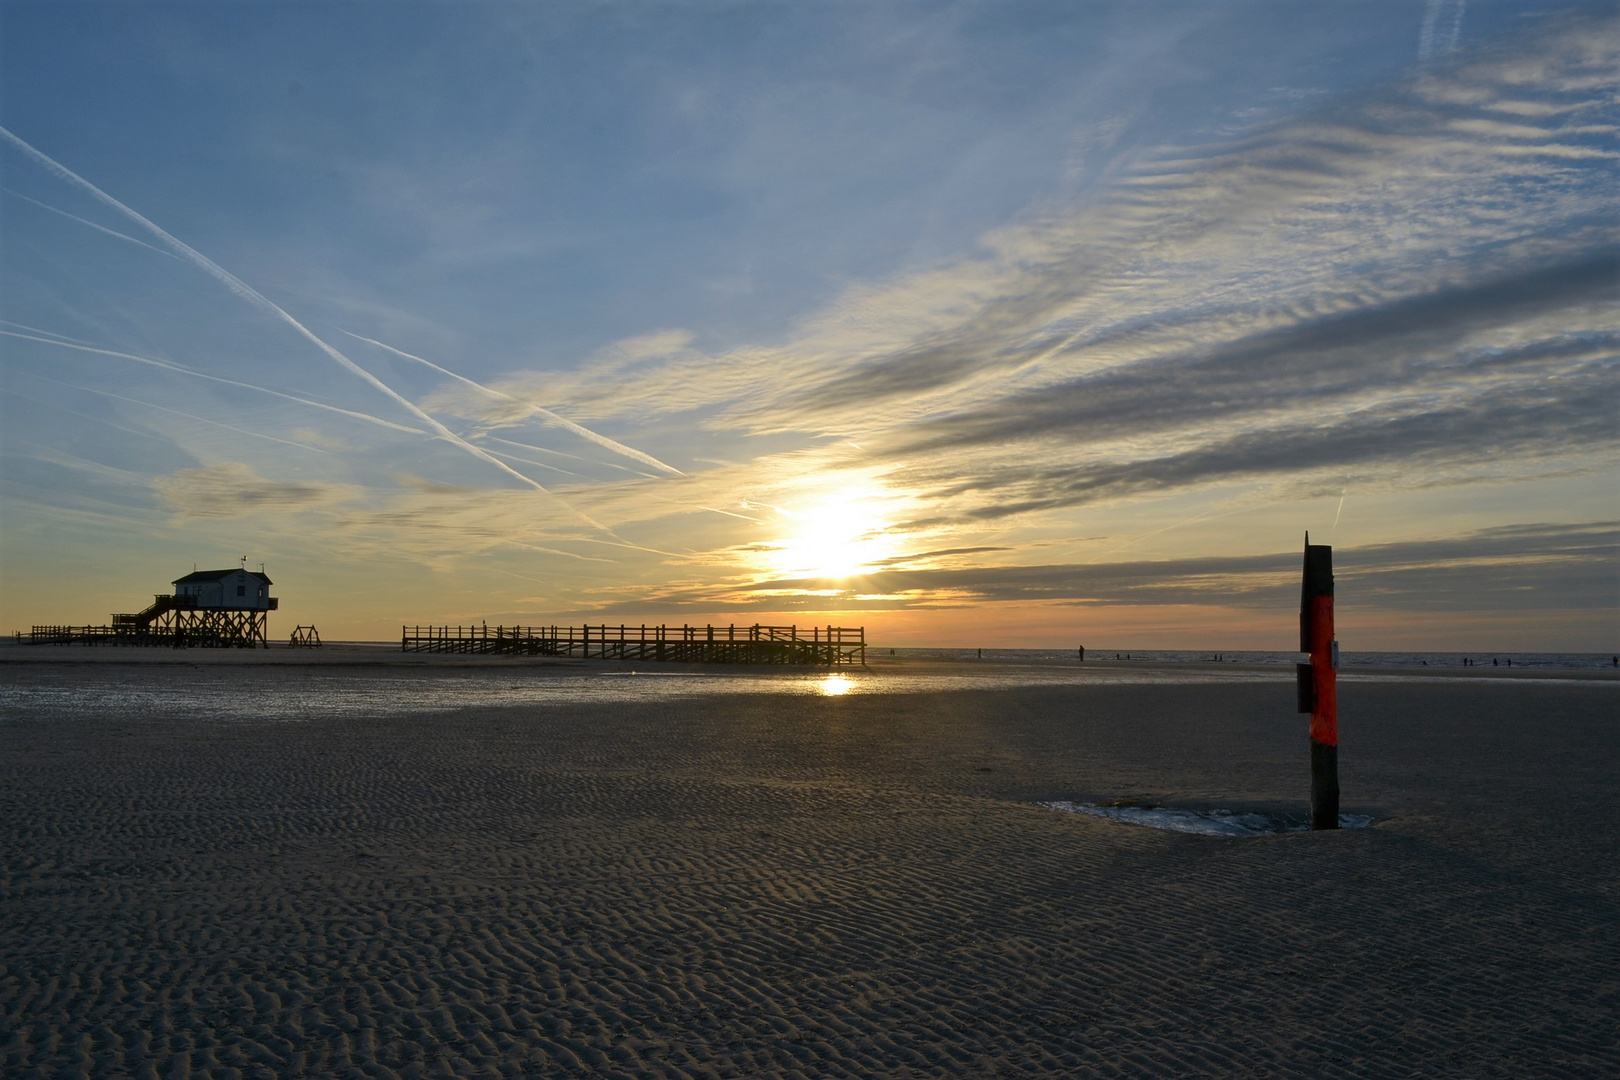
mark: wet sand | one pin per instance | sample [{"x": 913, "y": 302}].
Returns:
[{"x": 810, "y": 886}]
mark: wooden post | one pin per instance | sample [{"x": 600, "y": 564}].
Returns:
[{"x": 1318, "y": 686}]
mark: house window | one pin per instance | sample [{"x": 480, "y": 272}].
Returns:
[{"x": 241, "y": 590}]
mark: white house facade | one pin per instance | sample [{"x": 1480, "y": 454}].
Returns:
[{"x": 235, "y": 590}]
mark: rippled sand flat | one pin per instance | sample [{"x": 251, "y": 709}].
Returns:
[{"x": 759, "y": 884}]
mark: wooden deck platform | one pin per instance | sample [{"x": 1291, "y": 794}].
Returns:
[{"x": 824, "y": 646}]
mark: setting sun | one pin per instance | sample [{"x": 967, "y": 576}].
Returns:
[{"x": 839, "y": 537}]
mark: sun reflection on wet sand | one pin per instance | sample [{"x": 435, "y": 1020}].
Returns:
[{"x": 834, "y": 685}]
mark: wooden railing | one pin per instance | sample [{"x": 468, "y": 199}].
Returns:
[{"x": 828, "y": 646}]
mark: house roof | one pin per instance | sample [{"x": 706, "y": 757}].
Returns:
[{"x": 196, "y": 577}]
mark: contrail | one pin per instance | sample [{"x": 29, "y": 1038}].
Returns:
[
  {"x": 551, "y": 417},
  {"x": 93, "y": 225},
  {"x": 1342, "y": 494},
  {"x": 728, "y": 513},
  {"x": 551, "y": 551},
  {"x": 570, "y": 457},
  {"x": 1430, "y": 32},
  {"x": 253, "y": 296},
  {"x": 1431, "y": 15},
  {"x": 1133, "y": 541},
  {"x": 177, "y": 412},
  {"x": 538, "y": 464},
  {"x": 47, "y": 333},
  {"x": 14, "y": 392},
  {"x": 183, "y": 370},
  {"x": 542, "y": 449}
]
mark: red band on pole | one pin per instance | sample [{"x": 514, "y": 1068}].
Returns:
[
  {"x": 1324, "y": 680},
  {"x": 1318, "y": 682}
]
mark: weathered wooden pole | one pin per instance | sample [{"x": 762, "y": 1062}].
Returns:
[{"x": 1318, "y": 688}]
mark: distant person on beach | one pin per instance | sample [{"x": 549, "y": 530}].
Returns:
[{"x": 1494, "y": 662}]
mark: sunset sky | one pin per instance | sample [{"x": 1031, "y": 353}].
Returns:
[{"x": 1001, "y": 323}]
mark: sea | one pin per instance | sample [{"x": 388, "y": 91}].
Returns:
[
  {"x": 1544, "y": 661},
  {"x": 294, "y": 692}
]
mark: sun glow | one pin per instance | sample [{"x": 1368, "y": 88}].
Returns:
[
  {"x": 839, "y": 537},
  {"x": 836, "y": 685}
]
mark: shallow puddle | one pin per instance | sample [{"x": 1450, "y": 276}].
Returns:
[{"x": 1205, "y": 822}]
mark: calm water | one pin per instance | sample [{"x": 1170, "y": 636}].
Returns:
[
  {"x": 294, "y": 692},
  {"x": 1544, "y": 661}
]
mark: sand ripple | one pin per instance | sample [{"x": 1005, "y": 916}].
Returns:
[{"x": 853, "y": 886}]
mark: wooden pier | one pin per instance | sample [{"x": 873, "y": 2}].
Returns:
[{"x": 823, "y": 646}]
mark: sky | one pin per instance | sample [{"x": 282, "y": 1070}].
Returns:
[{"x": 1015, "y": 324}]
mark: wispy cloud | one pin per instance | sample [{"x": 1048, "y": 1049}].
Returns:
[
  {"x": 1541, "y": 566},
  {"x": 1417, "y": 285}
]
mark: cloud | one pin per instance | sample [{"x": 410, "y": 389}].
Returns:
[
  {"x": 1541, "y": 566},
  {"x": 232, "y": 490},
  {"x": 1414, "y": 285}
]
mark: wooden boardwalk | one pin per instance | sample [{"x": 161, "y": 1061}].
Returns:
[{"x": 824, "y": 646}]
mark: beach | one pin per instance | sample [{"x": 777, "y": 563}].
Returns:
[{"x": 655, "y": 875}]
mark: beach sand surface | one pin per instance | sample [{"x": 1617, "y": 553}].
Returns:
[{"x": 802, "y": 885}]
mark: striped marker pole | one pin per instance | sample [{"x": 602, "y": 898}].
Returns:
[{"x": 1318, "y": 689}]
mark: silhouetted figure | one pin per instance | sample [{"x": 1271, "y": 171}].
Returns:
[
  {"x": 1495, "y": 662},
  {"x": 1082, "y": 651}
]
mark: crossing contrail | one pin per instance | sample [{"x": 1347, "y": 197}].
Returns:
[
  {"x": 253, "y": 296},
  {"x": 181, "y": 369},
  {"x": 537, "y": 410},
  {"x": 86, "y": 221},
  {"x": 178, "y": 412}
]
